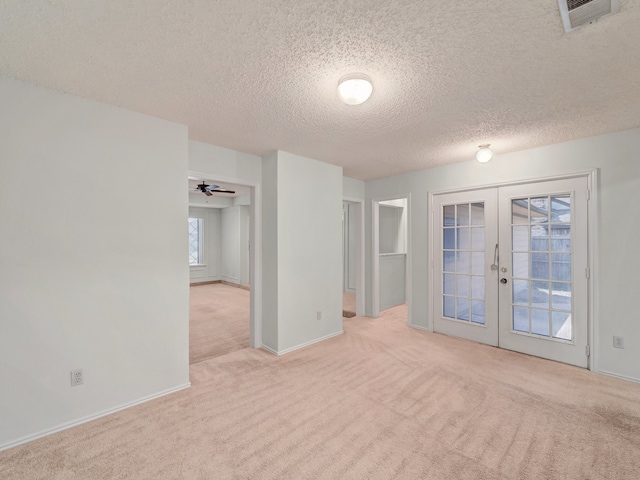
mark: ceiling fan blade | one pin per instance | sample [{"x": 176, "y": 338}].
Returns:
[{"x": 207, "y": 189}]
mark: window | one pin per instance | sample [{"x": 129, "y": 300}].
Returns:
[{"x": 195, "y": 241}]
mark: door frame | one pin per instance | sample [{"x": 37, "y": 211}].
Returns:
[
  {"x": 592, "y": 248},
  {"x": 359, "y": 255},
  {"x": 375, "y": 254},
  {"x": 255, "y": 254}
]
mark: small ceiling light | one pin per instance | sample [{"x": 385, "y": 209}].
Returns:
[
  {"x": 355, "y": 89},
  {"x": 484, "y": 154}
]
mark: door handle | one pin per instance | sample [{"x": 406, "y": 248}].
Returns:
[
  {"x": 503, "y": 280},
  {"x": 494, "y": 265}
]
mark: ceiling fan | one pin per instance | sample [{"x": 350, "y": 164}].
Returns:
[{"x": 207, "y": 189}]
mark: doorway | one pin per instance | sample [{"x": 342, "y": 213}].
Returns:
[
  {"x": 391, "y": 272},
  {"x": 352, "y": 257},
  {"x": 249, "y": 249},
  {"x": 511, "y": 267}
]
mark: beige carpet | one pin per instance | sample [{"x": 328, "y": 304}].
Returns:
[
  {"x": 382, "y": 401},
  {"x": 218, "y": 320}
]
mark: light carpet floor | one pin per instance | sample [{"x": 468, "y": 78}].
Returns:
[
  {"x": 382, "y": 401},
  {"x": 219, "y": 317}
]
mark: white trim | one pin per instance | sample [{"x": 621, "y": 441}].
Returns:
[
  {"x": 89, "y": 418},
  {"x": 585, "y": 173},
  {"x": 408, "y": 293},
  {"x": 255, "y": 255},
  {"x": 593, "y": 290},
  {"x": 430, "y": 266},
  {"x": 375, "y": 264},
  {"x": 617, "y": 375},
  {"x": 302, "y": 345},
  {"x": 230, "y": 279},
  {"x": 360, "y": 257},
  {"x": 269, "y": 349},
  {"x": 420, "y": 327}
]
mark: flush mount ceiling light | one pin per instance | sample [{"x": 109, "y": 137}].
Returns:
[
  {"x": 355, "y": 88},
  {"x": 484, "y": 154}
]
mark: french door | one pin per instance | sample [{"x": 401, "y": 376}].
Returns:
[{"x": 510, "y": 268}]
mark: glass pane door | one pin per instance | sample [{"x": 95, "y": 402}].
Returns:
[
  {"x": 543, "y": 289},
  {"x": 510, "y": 268},
  {"x": 466, "y": 285}
]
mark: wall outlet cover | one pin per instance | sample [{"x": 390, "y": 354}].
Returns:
[{"x": 76, "y": 377}]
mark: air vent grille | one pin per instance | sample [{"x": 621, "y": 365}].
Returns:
[
  {"x": 589, "y": 12},
  {"x": 573, "y": 4},
  {"x": 582, "y": 12}
]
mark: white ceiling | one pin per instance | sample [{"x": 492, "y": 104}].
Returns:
[{"x": 261, "y": 75}]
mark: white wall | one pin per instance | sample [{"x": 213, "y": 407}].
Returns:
[
  {"x": 352, "y": 188},
  {"x": 393, "y": 273},
  {"x": 210, "y": 268},
  {"x": 88, "y": 278},
  {"x": 617, "y": 156},
  {"x": 392, "y": 228},
  {"x": 235, "y": 242},
  {"x": 215, "y": 201},
  {"x": 245, "y": 244},
  {"x": 242, "y": 200},
  {"x": 303, "y": 240},
  {"x": 221, "y": 162}
]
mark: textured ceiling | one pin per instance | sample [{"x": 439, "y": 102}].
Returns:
[{"x": 261, "y": 75}]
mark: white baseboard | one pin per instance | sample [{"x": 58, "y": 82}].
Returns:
[
  {"x": 621, "y": 377},
  {"x": 302, "y": 345},
  {"x": 74, "y": 423},
  {"x": 419, "y": 327},
  {"x": 269, "y": 349}
]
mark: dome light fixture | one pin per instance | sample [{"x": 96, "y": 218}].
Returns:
[
  {"x": 484, "y": 153},
  {"x": 355, "y": 88}
]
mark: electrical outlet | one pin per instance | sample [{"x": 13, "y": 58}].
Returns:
[
  {"x": 618, "y": 342},
  {"x": 76, "y": 377},
  {"x": 319, "y": 315}
]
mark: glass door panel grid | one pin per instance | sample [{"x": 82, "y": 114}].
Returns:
[
  {"x": 541, "y": 266},
  {"x": 463, "y": 292}
]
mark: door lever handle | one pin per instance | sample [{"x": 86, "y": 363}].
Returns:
[{"x": 494, "y": 265}]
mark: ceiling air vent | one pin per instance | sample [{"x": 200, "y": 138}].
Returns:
[{"x": 581, "y": 12}]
